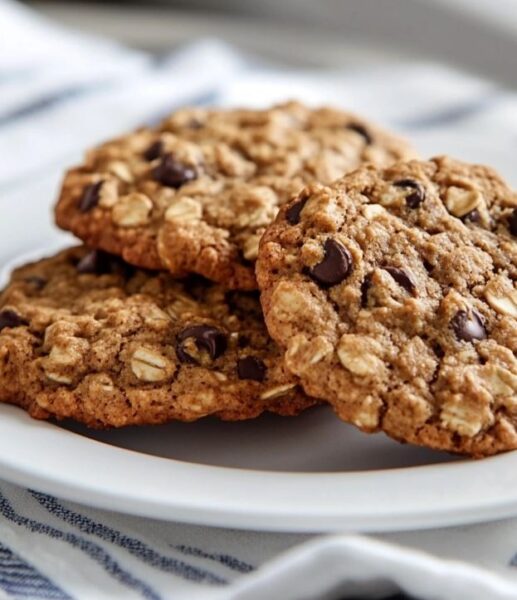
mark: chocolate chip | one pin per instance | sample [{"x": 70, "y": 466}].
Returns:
[
  {"x": 250, "y": 367},
  {"x": 90, "y": 196},
  {"x": 172, "y": 173},
  {"x": 512, "y": 222},
  {"x": 243, "y": 341},
  {"x": 416, "y": 197},
  {"x": 362, "y": 131},
  {"x": 438, "y": 350},
  {"x": 403, "y": 278},
  {"x": 292, "y": 214},
  {"x": 205, "y": 337},
  {"x": 94, "y": 262},
  {"x": 428, "y": 266},
  {"x": 473, "y": 216},
  {"x": 38, "y": 282},
  {"x": 154, "y": 151},
  {"x": 10, "y": 319},
  {"x": 98, "y": 262},
  {"x": 334, "y": 267},
  {"x": 468, "y": 326},
  {"x": 365, "y": 286}
]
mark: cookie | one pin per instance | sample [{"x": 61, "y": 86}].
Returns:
[
  {"x": 195, "y": 194},
  {"x": 86, "y": 337},
  {"x": 393, "y": 293}
]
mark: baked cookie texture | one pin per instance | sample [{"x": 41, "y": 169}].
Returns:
[
  {"x": 195, "y": 194},
  {"x": 84, "y": 336},
  {"x": 393, "y": 293}
]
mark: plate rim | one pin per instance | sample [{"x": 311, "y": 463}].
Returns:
[{"x": 222, "y": 506}]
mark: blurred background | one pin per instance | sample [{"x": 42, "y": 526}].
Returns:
[
  {"x": 73, "y": 73},
  {"x": 479, "y": 36}
]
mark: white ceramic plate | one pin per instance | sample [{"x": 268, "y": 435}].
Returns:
[{"x": 312, "y": 473}]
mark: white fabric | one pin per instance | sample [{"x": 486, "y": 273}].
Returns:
[{"x": 60, "y": 93}]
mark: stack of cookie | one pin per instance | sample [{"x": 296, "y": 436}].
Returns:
[{"x": 223, "y": 273}]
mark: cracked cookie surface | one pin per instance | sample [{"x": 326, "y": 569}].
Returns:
[
  {"x": 85, "y": 336},
  {"x": 393, "y": 293},
  {"x": 196, "y": 193}
]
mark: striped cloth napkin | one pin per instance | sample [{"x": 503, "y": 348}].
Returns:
[{"x": 61, "y": 92}]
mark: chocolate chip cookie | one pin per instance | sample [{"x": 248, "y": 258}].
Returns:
[
  {"x": 84, "y": 336},
  {"x": 393, "y": 293},
  {"x": 196, "y": 193}
]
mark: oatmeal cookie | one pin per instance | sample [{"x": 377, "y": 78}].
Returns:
[
  {"x": 87, "y": 337},
  {"x": 393, "y": 294},
  {"x": 195, "y": 194}
]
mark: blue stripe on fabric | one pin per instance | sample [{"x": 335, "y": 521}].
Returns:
[
  {"x": 94, "y": 551},
  {"x": 450, "y": 115},
  {"x": 228, "y": 561},
  {"x": 48, "y": 101},
  {"x": 134, "y": 546},
  {"x": 22, "y": 580}
]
